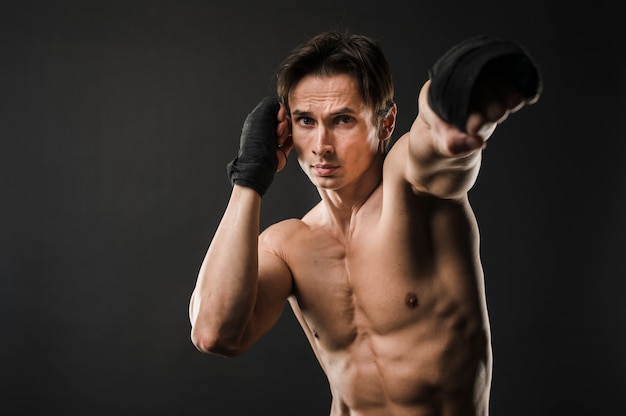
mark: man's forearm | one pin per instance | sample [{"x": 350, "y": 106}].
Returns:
[
  {"x": 435, "y": 167},
  {"x": 225, "y": 293}
]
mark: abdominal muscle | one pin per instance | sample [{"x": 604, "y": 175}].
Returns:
[{"x": 399, "y": 375}]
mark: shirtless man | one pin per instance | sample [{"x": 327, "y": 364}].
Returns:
[{"x": 384, "y": 273}]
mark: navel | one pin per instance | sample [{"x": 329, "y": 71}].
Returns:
[{"x": 411, "y": 300}]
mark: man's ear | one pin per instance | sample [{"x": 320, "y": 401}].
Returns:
[{"x": 388, "y": 123}]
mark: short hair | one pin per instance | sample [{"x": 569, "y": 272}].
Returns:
[{"x": 331, "y": 53}]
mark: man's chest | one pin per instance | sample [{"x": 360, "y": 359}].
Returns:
[{"x": 347, "y": 290}]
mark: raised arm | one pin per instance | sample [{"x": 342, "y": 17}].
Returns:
[
  {"x": 242, "y": 285},
  {"x": 473, "y": 88}
]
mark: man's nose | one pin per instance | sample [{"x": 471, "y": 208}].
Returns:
[{"x": 323, "y": 142}]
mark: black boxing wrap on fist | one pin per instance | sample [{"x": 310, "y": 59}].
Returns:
[
  {"x": 455, "y": 73},
  {"x": 256, "y": 161}
]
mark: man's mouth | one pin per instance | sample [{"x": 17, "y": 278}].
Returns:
[{"x": 325, "y": 169}]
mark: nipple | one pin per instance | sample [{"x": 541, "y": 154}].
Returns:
[{"x": 411, "y": 300}]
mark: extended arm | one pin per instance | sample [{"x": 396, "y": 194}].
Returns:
[{"x": 473, "y": 88}]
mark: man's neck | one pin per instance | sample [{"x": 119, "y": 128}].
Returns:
[{"x": 341, "y": 206}]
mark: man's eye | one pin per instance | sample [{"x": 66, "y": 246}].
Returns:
[
  {"x": 344, "y": 119},
  {"x": 305, "y": 120}
]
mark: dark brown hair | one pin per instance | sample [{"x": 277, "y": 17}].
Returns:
[{"x": 331, "y": 53}]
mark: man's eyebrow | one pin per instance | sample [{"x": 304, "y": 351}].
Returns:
[
  {"x": 299, "y": 113},
  {"x": 343, "y": 110}
]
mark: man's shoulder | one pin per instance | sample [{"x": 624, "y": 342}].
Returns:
[
  {"x": 286, "y": 225},
  {"x": 294, "y": 232},
  {"x": 283, "y": 231}
]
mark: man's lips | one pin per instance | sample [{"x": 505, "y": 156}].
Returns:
[{"x": 325, "y": 169}]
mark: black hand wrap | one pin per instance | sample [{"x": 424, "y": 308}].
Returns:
[
  {"x": 256, "y": 162},
  {"x": 455, "y": 73}
]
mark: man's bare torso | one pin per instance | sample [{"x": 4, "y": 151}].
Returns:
[{"x": 394, "y": 307}]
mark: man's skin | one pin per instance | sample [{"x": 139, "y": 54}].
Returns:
[{"x": 384, "y": 273}]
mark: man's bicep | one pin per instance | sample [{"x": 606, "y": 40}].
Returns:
[{"x": 274, "y": 287}]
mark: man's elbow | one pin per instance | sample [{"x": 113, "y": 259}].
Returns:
[
  {"x": 211, "y": 342},
  {"x": 451, "y": 184},
  {"x": 443, "y": 190}
]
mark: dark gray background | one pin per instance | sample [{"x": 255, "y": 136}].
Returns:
[{"x": 118, "y": 119}]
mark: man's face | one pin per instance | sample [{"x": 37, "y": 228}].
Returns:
[{"x": 333, "y": 131}]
